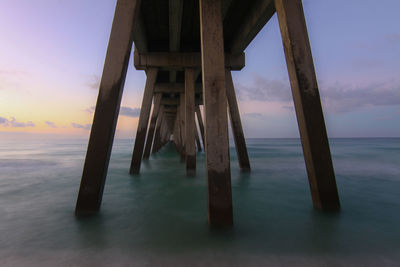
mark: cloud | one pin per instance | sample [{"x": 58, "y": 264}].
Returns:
[
  {"x": 51, "y": 124},
  {"x": 342, "y": 98},
  {"x": 80, "y": 126},
  {"x": 393, "y": 38},
  {"x": 263, "y": 89},
  {"x": 335, "y": 97},
  {"x": 124, "y": 111},
  {"x": 93, "y": 82},
  {"x": 254, "y": 115},
  {"x": 15, "y": 124},
  {"x": 130, "y": 112}
]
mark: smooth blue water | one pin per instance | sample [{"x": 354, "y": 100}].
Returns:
[{"x": 159, "y": 218}]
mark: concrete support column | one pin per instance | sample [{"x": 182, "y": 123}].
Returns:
[
  {"x": 150, "y": 134},
  {"x": 215, "y": 107},
  {"x": 143, "y": 121},
  {"x": 107, "y": 108},
  {"x": 308, "y": 104},
  {"x": 236, "y": 124},
  {"x": 190, "y": 123}
]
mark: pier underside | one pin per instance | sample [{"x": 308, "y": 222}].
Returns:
[{"x": 188, "y": 50}]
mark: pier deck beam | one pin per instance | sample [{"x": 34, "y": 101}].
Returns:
[
  {"x": 143, "y": 121},
  {"x": 107, "y": 108},
  {"x": 154, "y": 116},
  {"x": 215, "y": 107},
  {"x": 236, "y": 124},
  {"x": 190, "y": 145},
  {"x": 307, "y": 104}
]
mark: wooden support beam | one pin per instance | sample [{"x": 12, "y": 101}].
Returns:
[
  {"x": 307, "y": 104},
  {"x": 190, "y": 123},
  {"x": 150, "y": 134},
  {"x": 176, "y": 60},
  {"x": 139, "y": 34},
  {"x": 182, "y": 126},
  {"x": 175, "y": 26},
  {"x": 236, "y": 124},
  {"x": 158, "y": 128},
  {"x": 216, "y": 121},
  {"x": 143, "y": 121},
  {"x": 257, "y": 17},
  {"x": 200, "y": 122},
  {"x": 175, "y": 88},
  {"x": 107, "y": 108},
  {"x": 176, "y": 101},
  {"x": 197, "y": 139}
]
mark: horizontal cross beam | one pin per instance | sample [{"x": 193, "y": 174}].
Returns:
[
  {"x": 174, "y": 88},
  {"x": 176, "y": 60}
]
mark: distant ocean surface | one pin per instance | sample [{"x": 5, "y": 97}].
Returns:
[{"x": 159, "y": 218}]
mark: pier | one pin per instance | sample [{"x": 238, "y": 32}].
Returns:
[{"x": 188, "y": 50}]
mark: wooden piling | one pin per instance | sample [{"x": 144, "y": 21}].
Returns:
[
  {"x": 307, "y": 104},
  {"x": 150, "y": 134},
  {"x": 107, "y": 108},
  {"x": 190, "y": 145},
  {"x": 200, "y": 122},
  {"x": 215, "y": 107},
  {"x": 236, "y": 124},
  {"x": 143, "y": 121}
]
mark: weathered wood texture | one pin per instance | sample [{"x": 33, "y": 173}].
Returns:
[
  {"x": 176, "y": 60},
  {"x": 190, "y": 125},
  {"x": 150, "y": 133},
  {"x": 307, "y": 104},
  {"x": 182, "y": 118},
  {"x": 175, "y": 26},
  {"x": 107, "y": 108},
  {"x": 236, "y": 124},
  {"x": 216, "y": 122},
  {"x": 143, "y": 121}
]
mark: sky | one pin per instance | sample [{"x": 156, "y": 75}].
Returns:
[{"x": 52, "y": 54}]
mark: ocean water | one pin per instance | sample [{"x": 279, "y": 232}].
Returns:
[{"x": 159, "y": 218}]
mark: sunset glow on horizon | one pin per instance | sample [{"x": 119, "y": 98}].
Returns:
[{"x": 52, "y": 54}]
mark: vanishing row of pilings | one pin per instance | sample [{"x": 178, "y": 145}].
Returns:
[{"x": 176, "y": 100}]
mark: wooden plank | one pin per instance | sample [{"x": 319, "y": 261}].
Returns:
[
  {"x": 143, "y": 121},
  {"x": 236, "y": 124},
  {"x": 150, "y": 134},
  {"x": 216, "y": 122},
  {"x": 190, "y": 125},
  {"x": 176, "y": 60},
  {"x": 307, "y": 104},
  {"x": 107, "y": 108}
]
